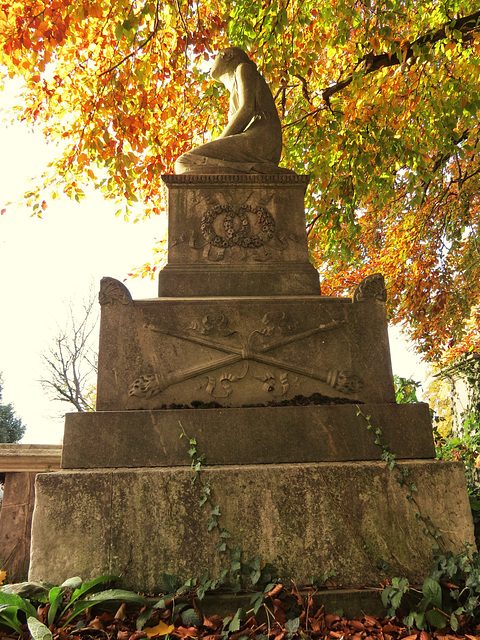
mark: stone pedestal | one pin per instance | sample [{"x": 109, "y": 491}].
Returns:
[
  {"x": 304, "y": 518},
  {"x": 237, "y": 235},
  {"x": 274, "y": 381}
]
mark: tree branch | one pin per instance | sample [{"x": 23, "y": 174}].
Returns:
[
  {"x": 373, "y": 63},
  {"x": 156, "y": 26},
  {"x": 71, "y": 363},
  {"x": 440, "y": 162}
]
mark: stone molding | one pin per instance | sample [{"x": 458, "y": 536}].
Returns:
[
  {"x": 29, "y": 457},
  {"x": 235, "y": 178}
]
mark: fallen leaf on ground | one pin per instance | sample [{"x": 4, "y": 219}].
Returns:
[{"x": 161, "y": 629}]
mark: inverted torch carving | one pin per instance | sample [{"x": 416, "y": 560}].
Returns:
[{"x": 253, "y": 348}]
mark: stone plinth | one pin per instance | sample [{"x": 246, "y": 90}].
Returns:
[
  {"x": 261, "y": 435},
  {"x": 237, "y": 235},
  {"x": 306, "y": 519}
]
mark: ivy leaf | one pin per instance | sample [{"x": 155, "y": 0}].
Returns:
[
  {"x": 169, "y": 582},
  {"x": 292, "y": 625},
  {"x": 212, "y": 523},
  {"x": 433, "y": 592},
  {"x": 454, "y": 622},
  {"x": 234, "y": 624},
  {"x": 436, "y": 618}
]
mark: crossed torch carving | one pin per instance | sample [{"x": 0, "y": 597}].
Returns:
[{"x": 149, "y": 386}]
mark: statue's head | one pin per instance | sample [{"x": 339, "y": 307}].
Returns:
[{"x": 227, "y": 60}]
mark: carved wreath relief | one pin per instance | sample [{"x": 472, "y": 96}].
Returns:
[
  {"x": 234, "y": 229},
  {"x": 253, "y": 351}
]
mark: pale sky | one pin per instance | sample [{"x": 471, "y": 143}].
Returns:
[{"x": 44, "y": 263}]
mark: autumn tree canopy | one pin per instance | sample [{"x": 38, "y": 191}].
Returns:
[{"x": 379, "y": 102}]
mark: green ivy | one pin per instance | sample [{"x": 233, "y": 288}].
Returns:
[
  {"x": 255, "y": 572},
  {"x": 448, "y": 597}
]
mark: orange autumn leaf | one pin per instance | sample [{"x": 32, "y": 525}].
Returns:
[{"x": 161, "y": 629}]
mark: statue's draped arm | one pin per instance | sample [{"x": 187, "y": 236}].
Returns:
[{"x": 245, "y": 80}]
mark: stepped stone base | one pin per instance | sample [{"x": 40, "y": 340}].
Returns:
[
  {"x": 264, "y": 435},
  {"x": 305, "y": 519},
  {"x": 243, "y": 353}
]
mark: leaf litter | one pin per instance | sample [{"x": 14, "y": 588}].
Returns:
[{"x": 283, "y": 616}]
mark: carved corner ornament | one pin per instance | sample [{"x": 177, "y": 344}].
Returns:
[
  {"x": 371, "y": 288},
  {"x": 113, "y": 291}
]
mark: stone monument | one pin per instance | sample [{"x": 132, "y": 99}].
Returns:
[{"x": 274, "y": 381}]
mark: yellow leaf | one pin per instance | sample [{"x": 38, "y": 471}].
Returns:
[
  {"x": 160, "y": 630},
  {"x": 3, "y": 575}
]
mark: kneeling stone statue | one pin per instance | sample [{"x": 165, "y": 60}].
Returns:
[{"x": 252, "y": 139}]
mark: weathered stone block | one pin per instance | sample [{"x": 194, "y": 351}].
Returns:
[
  {"x": 305, "y": 519},
  {"x": 76, "y": 507},
  {"x": 237, "y": 235},
  {"x": 240, "y": 351},
  {"x": 262, "y": 435}
]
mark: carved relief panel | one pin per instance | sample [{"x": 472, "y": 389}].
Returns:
[
  {"x": 247, "y": 223},
  {"x": 268, "y": 374},
  {"x": 241, "y": 352}
]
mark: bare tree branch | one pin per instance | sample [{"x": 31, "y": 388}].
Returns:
[{"x": 71, "y": 362}]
